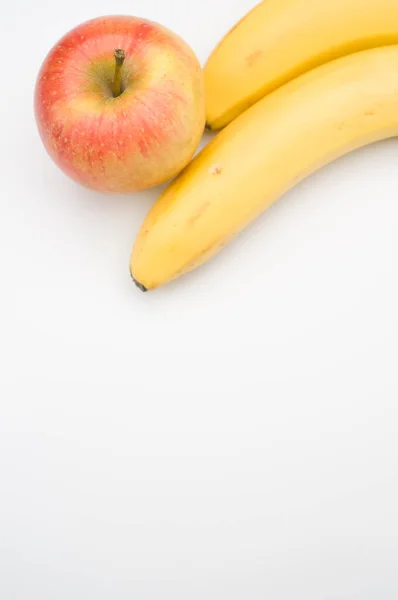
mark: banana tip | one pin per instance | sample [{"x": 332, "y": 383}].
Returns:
[{"x": 138, "y": 284}]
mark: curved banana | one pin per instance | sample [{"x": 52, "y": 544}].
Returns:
[
  {"x": 282, "y": 39},
  {"x": 304, "y": 125}
]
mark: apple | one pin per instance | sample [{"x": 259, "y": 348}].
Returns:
[{"x": 119, "y": 104}]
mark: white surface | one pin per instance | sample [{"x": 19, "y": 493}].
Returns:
[{"x": 233, "y": 435}]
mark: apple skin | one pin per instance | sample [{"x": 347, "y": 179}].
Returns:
[{"x": 134, "y": 141}]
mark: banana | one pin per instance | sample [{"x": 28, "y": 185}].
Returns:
[
  {"x": 282, "y": 39},
  {"x": 312, "y": 120}
]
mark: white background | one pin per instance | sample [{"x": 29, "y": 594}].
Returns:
[{"x": 231, "y": 436}]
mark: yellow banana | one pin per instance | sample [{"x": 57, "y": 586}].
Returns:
[
  {"x": 312, "y": 120},
  {"x": 282, "y": 39}
]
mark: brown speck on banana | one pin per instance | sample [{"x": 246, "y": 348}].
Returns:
[{"x": 215, "y": 169}]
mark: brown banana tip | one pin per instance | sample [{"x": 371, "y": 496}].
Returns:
[{"x": 140, "y": 286}]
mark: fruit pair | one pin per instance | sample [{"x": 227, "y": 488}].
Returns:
[{"x": 297, "y": 83}]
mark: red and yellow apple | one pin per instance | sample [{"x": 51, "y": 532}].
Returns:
[{"x": 119, "y": 104}]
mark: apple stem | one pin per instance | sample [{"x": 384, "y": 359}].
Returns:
[{"x": 119, "y": 58}]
